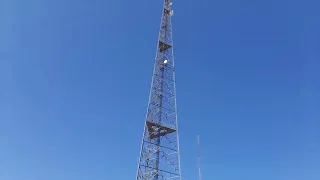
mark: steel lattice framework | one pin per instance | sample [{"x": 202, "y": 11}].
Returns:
[{"x": 160, "y": 154}]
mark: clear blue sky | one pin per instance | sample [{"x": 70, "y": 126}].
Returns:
[{"x": 75, "y": 77}]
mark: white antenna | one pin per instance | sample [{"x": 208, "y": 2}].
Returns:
[
  {"x": 171, "y": 13},
  {"x": 200, "y": 178}
]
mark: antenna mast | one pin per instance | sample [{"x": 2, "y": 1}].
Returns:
[
  {"x": 160, "y": 151},
  {"x": 200, "y": 178}
]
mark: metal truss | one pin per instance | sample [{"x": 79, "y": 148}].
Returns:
[{"x": 160, "y": 154}]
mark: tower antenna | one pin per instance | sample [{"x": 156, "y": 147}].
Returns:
[
  {"x": 199, "y": 167},
  {"x": 160, "y": 152}
]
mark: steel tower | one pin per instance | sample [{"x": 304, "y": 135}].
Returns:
[{"x": 160, "y": 154}]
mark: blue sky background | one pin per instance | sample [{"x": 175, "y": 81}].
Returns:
[{"x": 75, "y": 77}]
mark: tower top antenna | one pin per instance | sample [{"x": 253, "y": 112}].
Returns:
[{"x": 199, "y": 167}]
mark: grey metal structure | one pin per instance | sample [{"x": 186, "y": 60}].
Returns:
[{"x": 160, "y": 154}]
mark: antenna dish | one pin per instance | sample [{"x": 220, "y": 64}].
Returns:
[
  {"x": 170, "y": 3},
  {"x": 171, "y": 12}
]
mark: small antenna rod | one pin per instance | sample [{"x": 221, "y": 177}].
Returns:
[{"x": 200, "y": 178}]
